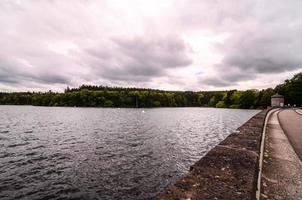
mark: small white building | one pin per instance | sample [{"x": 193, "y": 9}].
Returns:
[{"x": 277, "y": 100}]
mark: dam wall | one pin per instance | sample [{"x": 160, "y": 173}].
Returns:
[{"x": 228, "y": 171}]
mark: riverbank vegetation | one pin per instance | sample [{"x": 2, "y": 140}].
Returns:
[{"x": 102, "y": 96}]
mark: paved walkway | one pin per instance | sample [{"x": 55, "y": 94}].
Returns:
[
  {"x": 282, "y": 168},
  {"x": 291, "y": 123}
]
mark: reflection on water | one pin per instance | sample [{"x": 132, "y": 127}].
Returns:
[{"x": 95, "y": 153}]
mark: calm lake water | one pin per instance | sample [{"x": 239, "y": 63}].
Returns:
[{"x": 95, "y": 153}]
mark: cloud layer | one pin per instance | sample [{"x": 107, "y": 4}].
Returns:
[{"x": 175, "y": 44}]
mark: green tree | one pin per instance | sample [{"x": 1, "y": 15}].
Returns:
[
  {"x": 247, "y": 99},
  {"x": 292, "y": 90},
  {"x": 220, "y": 104},
  {"x": 108, "y": 103},
  {"x": 103, "y": 96},
  {"x": 156, "y": 104}
]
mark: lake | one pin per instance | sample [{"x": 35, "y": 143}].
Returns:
[{"x": 100, "y": 153}]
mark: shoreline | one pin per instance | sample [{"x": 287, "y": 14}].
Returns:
[
  {"x": 260, "y": 109},
  {"x": 229, "y": 170}
]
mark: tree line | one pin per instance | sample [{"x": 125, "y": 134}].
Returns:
[{"x": 103, "y": 96}]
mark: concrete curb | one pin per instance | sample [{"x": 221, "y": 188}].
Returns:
[
  {"x": 298, "y": 111},
  {"x": 258, "y": 192}
]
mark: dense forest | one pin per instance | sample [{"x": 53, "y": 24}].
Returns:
[{"x": 101, "y": 96}]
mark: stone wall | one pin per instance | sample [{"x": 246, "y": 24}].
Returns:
[{"x": 228, "y": 171}]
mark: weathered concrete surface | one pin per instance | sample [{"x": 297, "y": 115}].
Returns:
[
  {"x": 229, "y": 171},
  {"x": 282, "y": 169},
  {"x": 291, "y": 123}
]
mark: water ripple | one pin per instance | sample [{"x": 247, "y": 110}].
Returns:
[
  {"x": 17, "y": 145},
  {"x": 78, "y": 153}
]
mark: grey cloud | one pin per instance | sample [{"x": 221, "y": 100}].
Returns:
[
  {"x": 13, "y": 77},
  {"x": 166, "y": 52},
  {"x": 52, "y": 78},
  {"x": 275, "y": 51},
  {"x": 110, "y": 44},
  {"x": 227, "y": 77},
  {"x": 132, "y": 73},
  {"x": 215, "y": 81},
  {"x": 138, "y": 59},
  {"x": 11, "y": 72},
  {"x": 265, "y": 41}
]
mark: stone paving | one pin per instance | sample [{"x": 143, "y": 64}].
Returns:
[{"x": 282, "y": 168}]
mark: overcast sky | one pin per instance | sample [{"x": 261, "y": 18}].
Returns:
[{"x": 165, "y": 44}]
